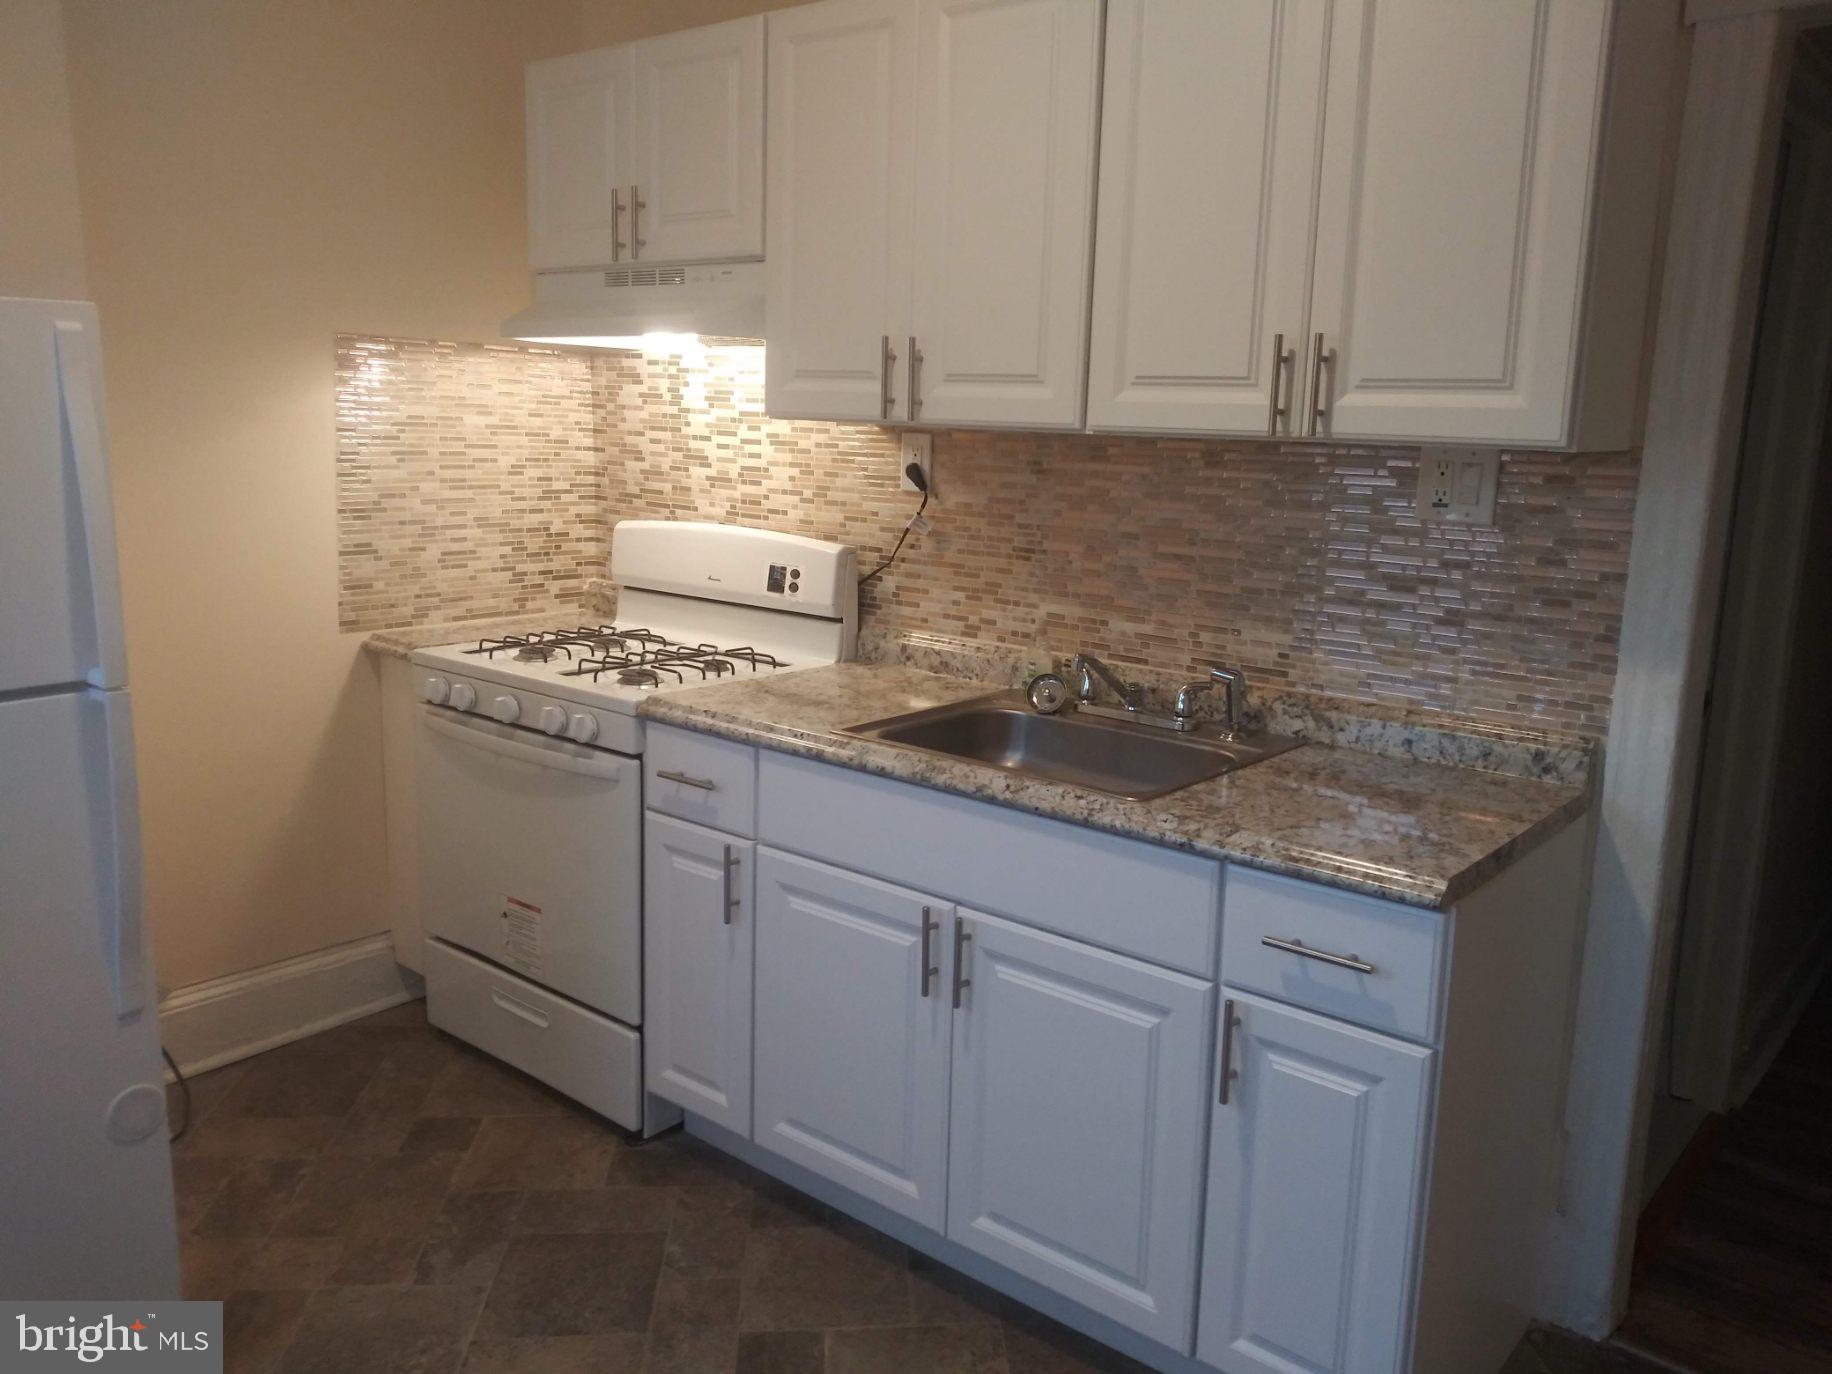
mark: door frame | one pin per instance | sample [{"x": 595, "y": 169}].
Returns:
[{"x": 1703, "y": 342}]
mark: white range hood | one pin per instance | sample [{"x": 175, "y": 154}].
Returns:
[{"x": 629, "y": 307}]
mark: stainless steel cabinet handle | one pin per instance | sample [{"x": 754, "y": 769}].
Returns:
[
  {"x": 961, "y": 936},
  {"x": 1281, "y": 358},
  {"x": 929, "y": 970},
  {"x": 1322, "y": 956},
  {"x": 915, "y": 379},
  {"x": 727, "y": 902},
  {"x": 637, "y": 206},
  {"x": 704, "y": 784},
  {"x": 1317, "y": 408},
  {"x": 1228, "y": 1072},
  {"x": 616, "y": 225},
  {"x": 887, "y": 359}
]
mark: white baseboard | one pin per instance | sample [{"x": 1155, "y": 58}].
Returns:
[{"x": 209, "y": 1024}]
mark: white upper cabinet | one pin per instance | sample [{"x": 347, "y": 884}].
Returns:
[
  {"x": 1316, "y": 1163},
  {"x": 1454, "y": 227},
  {"x": 696, "y": 164},
  {"x": 649, "y": 152},
  {"x": 578, "y": 158},
  {"x": 1008, "y": 96},
  {"x": 1075, "y": 1153},
  {"x": 1209, "y": 131},
  {"x": 931, "y": 203},
  {"x": 841, "y": 161}
]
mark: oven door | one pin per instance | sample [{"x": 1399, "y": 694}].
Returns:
[{"x": 530, "y": 853}]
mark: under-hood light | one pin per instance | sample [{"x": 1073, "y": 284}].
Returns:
[{"x": 655, "y": 341}]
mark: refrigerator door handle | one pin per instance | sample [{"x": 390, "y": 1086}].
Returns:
[
  {"x": 80, "y": 398},
  {"x": 129, "y": 954}
]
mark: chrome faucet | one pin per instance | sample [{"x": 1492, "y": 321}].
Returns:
[
  {"x": 1084, "y": 668},
  {"x": 1183, "y": 706}
]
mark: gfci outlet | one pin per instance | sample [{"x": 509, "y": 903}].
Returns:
[
  {"x": 1457, "y": 485},
  {"x": 918, "y": 448}
]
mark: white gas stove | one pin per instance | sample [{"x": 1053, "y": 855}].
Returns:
[
  {"x": 695, "y": 603},
  {"x": 531, "y": 792}
]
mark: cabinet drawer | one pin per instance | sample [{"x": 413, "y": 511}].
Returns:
[
  {"x": 589, "y": 1057},
  {"x": 699, "y": 778},
  {"x": 1399, "y": 992}
]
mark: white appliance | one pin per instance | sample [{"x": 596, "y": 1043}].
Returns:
[
  {"x": 530, "y": 784},
  {"x": 85, "y": 1171},
  {"x": 628, "y": 307}
]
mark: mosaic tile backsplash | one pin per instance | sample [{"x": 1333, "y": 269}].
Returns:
[
  {"x": 470, "y": 481},
  {"x": 1302, "y": 564}
]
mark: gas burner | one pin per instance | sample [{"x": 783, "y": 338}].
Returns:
[{"x": 536, "y": 653}]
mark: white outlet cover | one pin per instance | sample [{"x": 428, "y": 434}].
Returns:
[
  {"x": 1457, "y": 485},
  {"x": 918, "y": 447}
]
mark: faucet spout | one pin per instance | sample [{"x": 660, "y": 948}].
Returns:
[{"x": 1085, "y": 668}]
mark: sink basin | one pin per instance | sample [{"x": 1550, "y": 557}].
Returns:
[{"x": 1137, "y": 762}]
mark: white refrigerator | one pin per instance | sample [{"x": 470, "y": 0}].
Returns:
[{"x": 85, "y": 1170}]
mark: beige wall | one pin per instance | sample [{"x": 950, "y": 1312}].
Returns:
[
  {"x": 256, "y": 178},
  {"x": 617, "y": 21},
  {"x": 41, "y": 241}
]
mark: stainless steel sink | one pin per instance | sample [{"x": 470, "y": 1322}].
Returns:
[{"x": 1137, "y": 762}]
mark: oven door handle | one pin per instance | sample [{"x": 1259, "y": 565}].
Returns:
[{"x": 482, "y": 737}]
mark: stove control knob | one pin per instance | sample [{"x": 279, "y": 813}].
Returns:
[
  {"x": 583, "y": 728},
  {"x": 553, "y": 720},
  {"x": 436, "y": 690},
  {"x": 463, "y": 696},
  {"x": 506, "y": 709}
]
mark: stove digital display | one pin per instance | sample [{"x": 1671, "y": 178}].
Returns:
[{"x": 779, "y": 577}]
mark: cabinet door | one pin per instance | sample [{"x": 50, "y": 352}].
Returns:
[
  {"x": 1453, "y": 226},
  {"x": 1075, "y": 1154},
  {"x": 698, "y": 924},
  {"x": 1315, "y": 1164},
  {"x": 851, "y": 1037},
  {"x": 1202, "y": 258},
  {"x": 1007, "y": 97},
  {"x": 696, "y": 162},
  {"x": 577, "y": 158},
  {"x": 841, "y": 161}
]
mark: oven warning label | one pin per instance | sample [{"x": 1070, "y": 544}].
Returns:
[{"x": 521, "y": 927}]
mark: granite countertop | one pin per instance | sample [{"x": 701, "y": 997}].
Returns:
[{"x": 1420, "y": 833}]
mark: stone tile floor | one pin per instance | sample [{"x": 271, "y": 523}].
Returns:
[{"x": 380, "y": 1197}]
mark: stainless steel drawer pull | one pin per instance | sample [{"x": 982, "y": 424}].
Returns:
[
  {"x": 616, "y": 226},
  {"x": 1228, "y": 1072},
  {"x": 1318, "y": 408},
  {"x": 929, "y": 970},
  {"x": 637, "y": 206},
  {"x": 915, "y": 361},
  {"x": 1322, "y": 956},
  {"x": 887, "y": 360},
  {"x": 1282, "y": 358},
  {"x": 704, "y": 784},
  {"x": 727, "y": 903},
  {"x": 961, "y": 937}
]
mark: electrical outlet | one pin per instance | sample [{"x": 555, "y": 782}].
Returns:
[
  {"x": 1457, "y": 485},
  {"x": 918, "y": 448}
]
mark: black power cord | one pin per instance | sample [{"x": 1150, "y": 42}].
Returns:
[
  {"x": 921, "y": 482},
  {"x": 184, "y": 1093}
]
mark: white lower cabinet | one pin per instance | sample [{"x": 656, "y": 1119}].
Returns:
[
  {"x": 851, "y": 1052},
  {"x": 1314, "y": 1193},
  {"x": 1075, "y": 1147},
  {"x": 698, "y": 924}
]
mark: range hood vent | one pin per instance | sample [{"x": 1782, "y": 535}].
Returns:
[{"x": 633, "y": 307}]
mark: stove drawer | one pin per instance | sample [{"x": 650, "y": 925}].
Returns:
[
  {"x": 589, "y": 1057},
  {"x": 712, "y": 782}
]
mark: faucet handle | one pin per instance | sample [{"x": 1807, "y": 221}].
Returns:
[{"x": 1183, "y": 705}]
